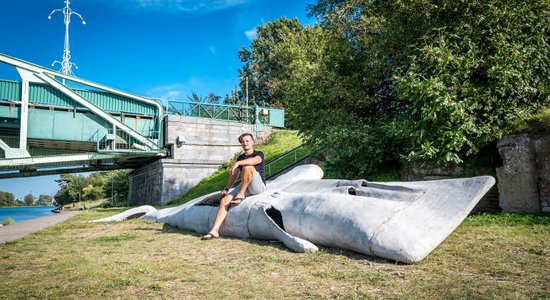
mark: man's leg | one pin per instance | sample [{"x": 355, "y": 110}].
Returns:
[
  {"x": 246, "y": 177},
  {"x": 221, "y": 215}
]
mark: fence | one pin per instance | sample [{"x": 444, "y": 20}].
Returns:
[{"x": 244, "y": 114}]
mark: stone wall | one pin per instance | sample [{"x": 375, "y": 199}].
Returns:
[
  {"x": 524, "y": 178},
  {"x": 489, "y": 203},
  {"x": 198, "y": 147}
]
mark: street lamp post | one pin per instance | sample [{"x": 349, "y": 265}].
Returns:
[{"x": 66, "y": 64}]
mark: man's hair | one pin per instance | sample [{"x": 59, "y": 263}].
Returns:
[{"x": 245, "y": 134}]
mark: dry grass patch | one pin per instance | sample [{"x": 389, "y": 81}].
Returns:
[{"x": 487, "y": 257}]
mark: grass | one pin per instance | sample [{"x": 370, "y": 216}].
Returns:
[
  {"x": 7, "y": 221},
  {"x": 87, "y": 204},
  {"x": 539, "y": 122},
  {"x": 488, "y": 256},
  {"x": 280, "y": 142}
]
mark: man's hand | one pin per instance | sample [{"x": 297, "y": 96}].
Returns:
[
  {"x": 224, "y": 192},
  {"x": 234, "y": 168}
]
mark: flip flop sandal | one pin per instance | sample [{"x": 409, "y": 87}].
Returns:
[
  {"x": 238, "y": 200},
  {"x": 209, "y": 236}
]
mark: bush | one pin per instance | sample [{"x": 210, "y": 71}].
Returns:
[{"x": 8, "y": 221}]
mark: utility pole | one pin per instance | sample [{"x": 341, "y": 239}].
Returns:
[
  {"x": 112, "y": 190},
  {"x": 246, "y": 80},
  {"x": 66, "y": 64}
]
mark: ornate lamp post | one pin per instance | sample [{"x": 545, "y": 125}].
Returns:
[{"x": 66, "y": 64}]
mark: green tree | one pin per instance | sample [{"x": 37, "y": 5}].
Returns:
[
  {"x": 29, "y": 199},
  {"x": 261, "y": 66},
  {"x": 44, "y": 200},
  {"x": 432, "y": 81},
  {"x": 117, "y": 185},
  {"x": 70, "y": 188},
  {"x": 7, "y": 199}
]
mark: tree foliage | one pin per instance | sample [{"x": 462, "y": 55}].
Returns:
[
  {"x": 261, "y": 66},
  {"x": 93, "y": 187},
  {"x": 29, "y": 199},
  {"x": 425, "y": 80},
  {"x": 7, "y": 199},
  {"x": 45, "y": 200}
]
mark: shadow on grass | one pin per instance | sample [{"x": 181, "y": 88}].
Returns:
[{"x": 280, "y": 246}]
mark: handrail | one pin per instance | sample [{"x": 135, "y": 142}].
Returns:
[
  {"x": 279, "y": 158},
  {"x": 213, "y": 111},
  {"x": 252, "y": 114}
]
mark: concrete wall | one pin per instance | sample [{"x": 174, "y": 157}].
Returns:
[
  {"x": 489, "y": 203},
  {"x": 198, "y": 148},
  {"x": 524, "y": 178}
]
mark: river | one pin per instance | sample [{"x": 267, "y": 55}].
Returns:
[{"x": 19, "y": 214}]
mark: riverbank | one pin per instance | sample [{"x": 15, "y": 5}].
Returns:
[{"x": 18, "y": 230}]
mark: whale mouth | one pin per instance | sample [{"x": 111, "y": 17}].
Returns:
[
  {"x": 213, "y": 200},
  {"x": 136, "y": 215},
  {"x": 275, "y": 215}
]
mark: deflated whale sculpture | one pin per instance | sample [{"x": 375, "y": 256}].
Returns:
[{"x": 402, "y": 221}]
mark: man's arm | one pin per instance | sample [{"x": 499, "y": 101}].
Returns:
[{"x": 250, "y": 161}]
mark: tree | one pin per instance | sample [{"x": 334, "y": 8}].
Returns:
[
  {"x": 29, "y": 199},
  {"x": 44, "y": 200},
  {"x": 261, "y": 66},
  {"x": 7, "y": 199},
  {"x": 381, "y": 81},
  {"x": 70, "y": 189},
  {"x": 117, "y": 185},
  {"x": 212, "y": 98}
]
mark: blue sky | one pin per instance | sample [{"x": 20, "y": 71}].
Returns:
[{"x": 164, "y": 49}]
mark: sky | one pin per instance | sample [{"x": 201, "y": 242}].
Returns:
[{"x": 164, "y": 49}]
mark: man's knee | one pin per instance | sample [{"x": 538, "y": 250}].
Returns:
[
  {"x": 248, "y": 170},
  {"x": 226, "y": 200}
]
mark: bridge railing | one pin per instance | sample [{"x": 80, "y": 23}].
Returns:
[
  {"x": 265, "y": 115},
  {"x": 121, "y": 141}
]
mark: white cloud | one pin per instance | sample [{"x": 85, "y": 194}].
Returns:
[
  {"x": 252, "y": 33},
  {"x": 170, "y": 91},
  {"x": 174, "y": 6}
]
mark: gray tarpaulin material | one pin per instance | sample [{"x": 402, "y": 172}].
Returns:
[{"x": 402, "y": 221}]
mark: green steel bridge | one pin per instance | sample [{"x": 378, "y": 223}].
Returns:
[{"x": 52, "y": 123}]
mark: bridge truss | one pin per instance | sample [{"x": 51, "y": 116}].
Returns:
[{"x": 47, "y": 127}]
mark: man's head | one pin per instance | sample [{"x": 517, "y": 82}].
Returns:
[{"x": 246, "y": 140}]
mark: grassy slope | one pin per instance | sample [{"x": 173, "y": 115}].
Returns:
[
  {"x": 537, "y": 123},
  {"x": 487, "y": 257},
  {"x": 280, "y": 142}
]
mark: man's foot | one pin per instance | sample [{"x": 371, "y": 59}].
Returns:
[
  {"x": 237, "y": 200},
  {"x": 209, "y": 236}
]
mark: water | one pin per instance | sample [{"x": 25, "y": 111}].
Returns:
[{"x": 19, "y": 214}]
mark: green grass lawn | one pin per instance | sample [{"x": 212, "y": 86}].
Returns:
[
  {"x": 279, "y": 143},
  {"x": 487, "y": 257}
]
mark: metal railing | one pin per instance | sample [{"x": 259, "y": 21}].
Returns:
[
  {"x": 212, "y": 111},
  {"x": 245, "y": 114},
  {"x": 286, "y": 160},
  {"x": 121, "y": 141}
]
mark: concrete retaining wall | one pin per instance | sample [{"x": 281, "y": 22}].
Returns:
[
  {"x": 198, "y": 148},
  {"x": 489, "y": 203},
  {"x": 524, "y": 178}
]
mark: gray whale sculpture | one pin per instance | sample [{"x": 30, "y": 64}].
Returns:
[{"x": 401, "y": 221}]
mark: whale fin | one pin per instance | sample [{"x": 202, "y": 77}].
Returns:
[{"x": 292, "y": 242}]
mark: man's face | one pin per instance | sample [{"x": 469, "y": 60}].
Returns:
[{"x": 247, "y": 142}]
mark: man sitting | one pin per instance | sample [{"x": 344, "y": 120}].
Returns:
[{"x": 251, "y": 165}]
